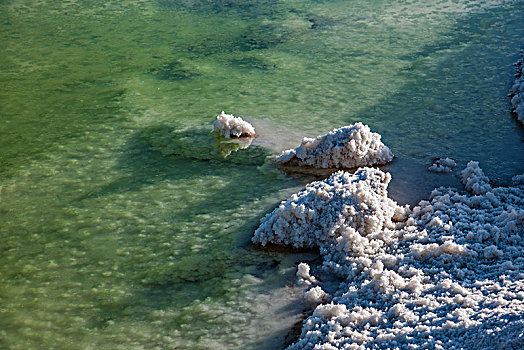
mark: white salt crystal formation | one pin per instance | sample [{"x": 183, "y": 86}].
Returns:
[
  {"x": 517, "y": 92},
  {"x": 474, "y": 180},
  {"x": 345, "y": 148},
  {"x": 229, "y": 126},
  {"x": 315, "y": 296},
  {"x": 442, "y": 165},
  {"x": 303, "y": 274},
  {"x": 447, "y": 274},
  {"x": 325, "y": 212}
]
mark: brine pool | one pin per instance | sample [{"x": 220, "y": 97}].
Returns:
[{"x": 121, "y": 224}]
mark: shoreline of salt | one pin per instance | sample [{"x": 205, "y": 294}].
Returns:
[
  {"x": 406, "y": 275},
  {"x": 517, "y": 91},
  {"x": 447, "y": 273}
]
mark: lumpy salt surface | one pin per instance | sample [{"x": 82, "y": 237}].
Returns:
[
  {"x": 126, "y": 224},
  {"x": 446, "y": 274}
]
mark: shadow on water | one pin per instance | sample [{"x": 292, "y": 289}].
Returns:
[
  {"x": 167, "y": 153},
  {"x": 173, "y": 71},
  {"x": 27, "y": 133},
  {"x": 164, "y": 152},
  {"x": 264, "y": 25},
  {"x": 454, "y": 104}
]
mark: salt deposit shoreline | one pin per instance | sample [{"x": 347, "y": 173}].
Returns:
[
  {"x": 445, "y": 274},
  {"x": 405, "y": 267},
  {"x": 517, "y": 91}
]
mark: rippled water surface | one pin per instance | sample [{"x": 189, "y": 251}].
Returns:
[{"x": 122, "y": 226}]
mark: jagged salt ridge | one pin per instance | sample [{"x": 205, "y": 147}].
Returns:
[
  {"x": 228, "y": 126},
  {"x": 517, "y": 91},
  {"x": 448, "y": 274},
  {"x": 347, "y": 147}
]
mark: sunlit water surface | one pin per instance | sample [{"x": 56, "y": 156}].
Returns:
[{"x": 122, "y": 226}]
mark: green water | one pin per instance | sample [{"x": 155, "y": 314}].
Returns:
[{"x": 108, "y": 240}]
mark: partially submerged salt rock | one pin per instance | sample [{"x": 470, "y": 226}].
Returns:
[
  {"x": 199, "y": 144},
  {"x": 228, "y": 126},
  {"x": 517, "y": 91},
  {"x": 345, "y": 148},
  {"x": 442, "y": 165}
]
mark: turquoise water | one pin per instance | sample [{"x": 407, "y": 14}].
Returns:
[{"x": 122, "y": 226}]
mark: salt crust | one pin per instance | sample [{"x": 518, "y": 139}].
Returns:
[
  {"x": 316, "y": 296},
  {"x": 229, "y": 126},
  {"x": 447, "y": 274},
  {"x": 345, "y": 148},
  {"x": 442, "y": 165},
  {"x": 474, "y": 180},
  {"x": 517, "y": 91}
]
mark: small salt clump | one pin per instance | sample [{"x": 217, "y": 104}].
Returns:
[
  {"x": 303, "y": 274},
  {"x": 345, "y": 148},
  {"x": 474, "y": 179},
  {"x": 316, "y": 296},
  {"x": 442, "y": 165},
  {"x": 518, "y": 179},
  {"x": 517, "y": 92},
  {"x": 228, "y": 126}
]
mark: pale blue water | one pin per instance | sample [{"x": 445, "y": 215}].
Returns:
[{"x": 108, "y": 240}]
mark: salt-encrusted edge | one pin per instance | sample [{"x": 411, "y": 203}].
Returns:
[{"x": 517, "y": 90}]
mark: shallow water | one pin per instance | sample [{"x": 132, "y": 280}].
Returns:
[{"x": 108, "y": 240}]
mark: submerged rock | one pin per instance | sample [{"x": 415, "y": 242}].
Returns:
[
  {"x": 199, "y": 143},
  {"x": 174, "y": 71},
  {"x": 345, "y": 148}
]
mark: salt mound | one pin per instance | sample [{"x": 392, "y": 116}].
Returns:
[
  {"x": 315, "y": 296},
  {"x": 228, "y": 126},
  {"x": 329, "y": 212},
  {"x": 517, "y": 92},
  {"x": 447, "y": 274},
  {"x": 303, "y": 274},
  {"x": 348, "y": 147},
  {"x": 474, "y": 180},
  {"x": 442, "y": 165}
]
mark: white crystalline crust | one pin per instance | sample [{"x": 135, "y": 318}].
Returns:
[
  {"x": 442, "y": 165},
  {"x": 474, "y": 180},
  {"x": 447, "y": 274},
  {"x": 517, "y": 92},
  {"x": 229, "y": 126},
  {"x": 303, "y": 274},
  {"x": 348, "y": 147},
  {"x": 315, "y": 296}
]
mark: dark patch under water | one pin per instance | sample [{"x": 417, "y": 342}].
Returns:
[{"x": 173, "y": 71}]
